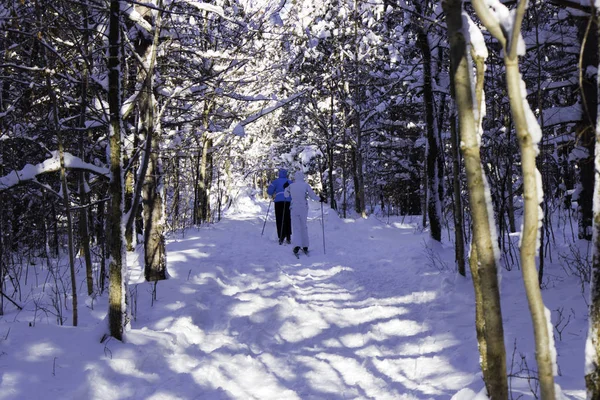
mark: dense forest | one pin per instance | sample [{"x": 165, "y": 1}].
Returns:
[{"x": 123, "y": 121}]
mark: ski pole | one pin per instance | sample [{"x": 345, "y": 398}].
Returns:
[
  {"x": 323, "y": 226},
  {"x": 266, "y": 216}
]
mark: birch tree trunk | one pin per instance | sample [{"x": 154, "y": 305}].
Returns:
[
  {"x": 151, "y": 176},
  {"x": 205, "y": 175},
  {"x": 528, "y": 134},
  {"x": 155, "y": 258},
  {"x": 484, "y": 268},
  {"x": 117, "y": 265},
  {"x": 155, "y": 263}
]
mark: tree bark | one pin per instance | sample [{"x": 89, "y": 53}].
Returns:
[
  {"x": 433, "y": 145},
  {"x": 70, "y": 241},
  {"x": 154, "y": 240},
  {"x": 525, "y": 129},
  {"x": 531, "y": 217},
  {"x": 586, "y": 129},
  {"x": 176, "y": 192},
  {"x": 330, "y": 152},
  {"x": 592, "y": 366},
  {"x": 65, "y": 199},
  {"x": 84, "y": 231},
  {"x": 205, "y": 178},
  {"x": 197, "y": 211},
  {"x": 479, "y": 318},
  {"x": 155, "y": 259},
  {"x": 117, "y": 265},
  {"x": 3, "y": 225},
  {"x": 494, "y": 369},
  {"x": 459, "y": 240}
]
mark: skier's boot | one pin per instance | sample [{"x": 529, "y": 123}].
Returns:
[
  {"x": 296, "y": 249},
  {"x": 305, "y": 250}
]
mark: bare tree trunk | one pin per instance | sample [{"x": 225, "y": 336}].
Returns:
[
  {"x": 205, "y": 181},
  {"x": 433, "y": 145},
  {"x": 494, "y": 369},
  {"x": 344, "y": 176},
  {"x": 130, "y": 208},
  {"x": 586, "y": 129},
  {"x": 512, "y": 226},
  {"x": 71, "y": 244},
  {"x": 592, "y": 365},
  {"x": 529, "y": 235},
  {"x": 155, "y": 259},
  {"x": 330, "y": 153},
  {"x": 3, "y": 224},
  {"x": 359, "y": 181},
  {"x": 459, "y": 239},
  {"x": 330, "y": 176},
  {"x": 152, "y": 175},
  {"x": 154, "y": 240},
  {"x": 479, "y": 318},
  {"x": 528, "y": 134},
  {"x": 228, "y": 182},
  {"x": 357, "y": 95},
  {"x": 117, "y": 266},
  {"x": 357, "y": 200},
  {"x": 102, "y": 213},
  {"x": 84, "y": 235},
  {"x": 176, "y": 192},
  {"x": 84, "y": 231},
  {"x": 531, "y": 219},
  {"x": 196, "y": 214},
  {"x": 65, "y": 198}
]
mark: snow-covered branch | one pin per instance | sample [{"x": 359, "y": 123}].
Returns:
[
  {"x": 31, "y": 172},
  {"x": 239, "y": 128}
]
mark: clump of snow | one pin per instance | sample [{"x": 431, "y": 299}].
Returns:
[{"x": 244, "y": 202}]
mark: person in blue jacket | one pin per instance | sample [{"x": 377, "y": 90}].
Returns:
[{"x": 282, "y": 206}]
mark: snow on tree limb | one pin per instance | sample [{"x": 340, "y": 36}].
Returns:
[
  {"x": 474, "y": 36},
  {"x": 490, "y": 18},
  {"x": 563, "y": 115},
  {"x": 207, "y": 7},
  {"x": 239, "y": 127},
  {"x": 136, "y": 17},
  {"x": 30, "y": 172}
]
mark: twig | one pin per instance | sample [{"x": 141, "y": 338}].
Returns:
[{"x": 11, "y": 300}]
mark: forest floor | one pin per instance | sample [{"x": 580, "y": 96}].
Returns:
[{"x": 376, "y": 311}]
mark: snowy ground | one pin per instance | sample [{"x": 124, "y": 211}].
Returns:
[{"x": 375, "y": 316}]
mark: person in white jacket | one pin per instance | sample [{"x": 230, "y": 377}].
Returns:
[{"x": 300, "y": 191}]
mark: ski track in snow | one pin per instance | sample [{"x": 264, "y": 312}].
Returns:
[
  {"x": 242, "y": 318},
  {"x": 341, "y": 325}
]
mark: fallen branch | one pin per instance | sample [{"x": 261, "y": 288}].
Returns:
[{"x": 11, "y": 300}]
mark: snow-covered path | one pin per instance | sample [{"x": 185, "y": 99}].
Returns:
[
  {"x": 376, "y": 317},
  {"x": 368, "y": 319}
]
